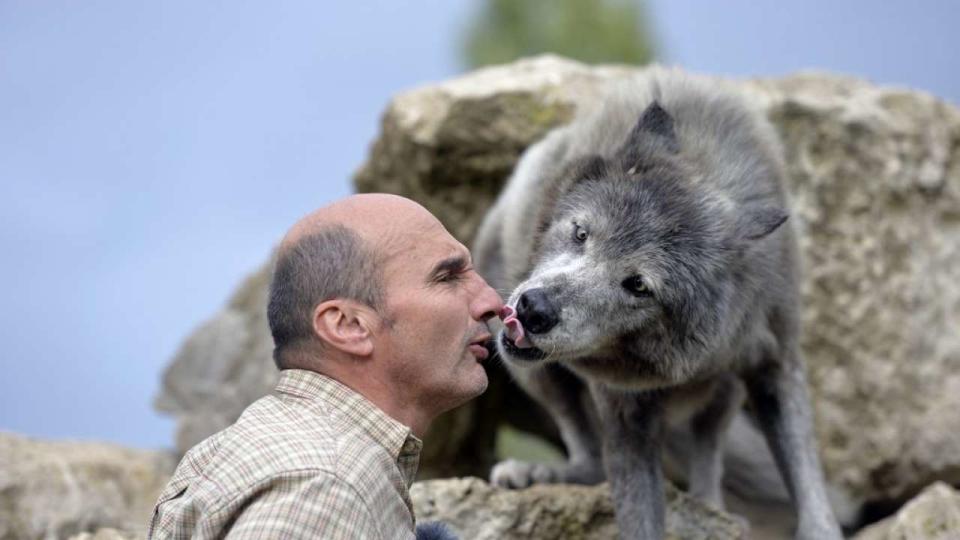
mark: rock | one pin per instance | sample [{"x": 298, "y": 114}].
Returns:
[
  {"x": 452, "y": 146},
  {"x": 223, "y": 366},
  {"x": 875, "y": 178},
  {"x": 932, "y": 515},
  {"x": 474, "y": 509},
  {"x": 104, "y": 534},
  {"x": 58, "y": 489}
]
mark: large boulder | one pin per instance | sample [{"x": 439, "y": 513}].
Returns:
[
  {"x": 875, "y": 178},
  {"x": 474, "y": 509},
  {"x": 58, "y": 489}
]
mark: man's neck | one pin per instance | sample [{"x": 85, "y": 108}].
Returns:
[{"x": 381, "y": 393}]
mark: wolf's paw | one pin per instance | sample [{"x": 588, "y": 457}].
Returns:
[{"x": 515, "y": 474}]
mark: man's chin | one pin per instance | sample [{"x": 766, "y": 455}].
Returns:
[
  {"x": 480, "y": 382},
  {"x": 467, "y": 387},
  {"x": 476, "y": 383}
]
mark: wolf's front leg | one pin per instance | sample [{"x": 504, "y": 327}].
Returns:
[
  {"x": 707, "y": 428},
  {"x": 779, "y": 394},
  {"x": 565, "y": 397},
  {"x": 631, "y": 425}
]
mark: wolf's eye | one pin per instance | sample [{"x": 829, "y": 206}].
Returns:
[
  {"x": 636, "y": 286},
  {"x": 579, "y": 233}
]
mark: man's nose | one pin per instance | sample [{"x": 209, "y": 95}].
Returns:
[{"x": 487, "y": 304}]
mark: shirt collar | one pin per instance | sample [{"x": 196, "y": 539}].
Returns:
[{"x": 339, "y": 399}]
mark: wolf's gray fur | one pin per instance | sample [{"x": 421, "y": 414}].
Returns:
[{"x": 644, "y": 248}]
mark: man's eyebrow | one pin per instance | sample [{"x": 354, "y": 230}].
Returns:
[{"x": 452, "y": 264}]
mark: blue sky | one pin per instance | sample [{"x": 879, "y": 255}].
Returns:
[{"x": 152, "y": 153}]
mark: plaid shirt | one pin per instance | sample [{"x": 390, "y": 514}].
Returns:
[{"x": 314, "y": 459}]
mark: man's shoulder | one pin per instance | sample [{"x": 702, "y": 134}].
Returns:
[
  {"x": 284, "y": 453},
  {"x": 272, "y": 436},
  {"x": 279, "y": 435}
]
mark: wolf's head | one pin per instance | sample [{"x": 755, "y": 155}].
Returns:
[{"x": 637, "y": 267}]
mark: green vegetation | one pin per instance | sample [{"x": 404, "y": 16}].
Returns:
[
  {"x": 592, "y": 31},
  {"x": 526, "y": 447}
]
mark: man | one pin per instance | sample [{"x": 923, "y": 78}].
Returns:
[{"x": 379, "y": 323}]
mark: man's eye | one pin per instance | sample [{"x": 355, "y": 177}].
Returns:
[{"x": 447, "y": 278}]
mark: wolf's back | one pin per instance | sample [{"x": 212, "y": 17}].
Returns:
[{"x": 728, "y": 142}]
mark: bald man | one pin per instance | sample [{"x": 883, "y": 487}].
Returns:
[{"x": 379, "y": 323}]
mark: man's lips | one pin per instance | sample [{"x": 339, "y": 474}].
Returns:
[{"x": 479, "y": 347}]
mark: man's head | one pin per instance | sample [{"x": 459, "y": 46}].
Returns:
[{"x": 373, "y": 286}]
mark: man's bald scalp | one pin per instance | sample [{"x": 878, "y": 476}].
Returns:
[
  {"x": 338, "y": 251},
  {"x": 370, "y": 215}
]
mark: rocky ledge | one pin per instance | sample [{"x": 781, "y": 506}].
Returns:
[
  {"x": 478, "y": 511},
  {"x": 57, "y": 489},
  {"x": 94, "y": 491},
  {"x": 932, "y": 515}
]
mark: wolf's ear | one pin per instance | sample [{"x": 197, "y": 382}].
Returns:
[
  {"x": 759, "y": 222},
  {"x": 590, "y": 167},
  {"x": 654, "y": 120}
]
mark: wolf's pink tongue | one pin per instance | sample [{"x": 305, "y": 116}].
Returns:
[{"x": 514, "y": 328}]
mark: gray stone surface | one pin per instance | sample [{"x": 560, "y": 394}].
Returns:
[
  {"x": 875, "y": 175},
  {"x": 58, "y": 489},
  {"x": 478, "y": 511},
  {"x": 104, "y": 534},
  {"x": 932, "y": 515},
  {"x": 222, "y": 367},
  {"x": 452, "y": 146}
]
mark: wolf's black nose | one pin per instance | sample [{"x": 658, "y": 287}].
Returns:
[{"x": 536, "y": 312}]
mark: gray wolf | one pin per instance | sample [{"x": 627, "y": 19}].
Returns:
[{"x": 654, "y": 285}]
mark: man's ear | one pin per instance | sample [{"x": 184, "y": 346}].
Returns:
[{"x": 345, "y": 325}]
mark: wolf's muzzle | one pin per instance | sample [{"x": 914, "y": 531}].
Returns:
[{"x": 536, "y": 312}]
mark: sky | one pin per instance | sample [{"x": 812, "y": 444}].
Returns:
[{"x": 152, "y": 153}]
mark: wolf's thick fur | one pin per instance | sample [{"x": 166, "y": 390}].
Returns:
[{"x": 645, "y": 250}]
